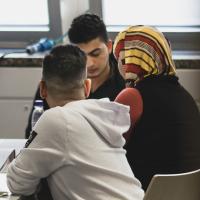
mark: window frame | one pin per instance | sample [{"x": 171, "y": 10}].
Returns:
[
  {"x": 181, "y": 38},
  {"x": 20, "y": 39}
]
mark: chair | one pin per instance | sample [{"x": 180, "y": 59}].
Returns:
[{"x": 183, "y": 186}]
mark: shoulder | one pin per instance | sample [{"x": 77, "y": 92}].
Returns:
[
  {"x": 50, "y": 130},
  {"x": 52, "y": 115},
  {"x": 51, "y": 120},
  {"x": 128, "y": 95},
  {"x": 131, "y": 97}
]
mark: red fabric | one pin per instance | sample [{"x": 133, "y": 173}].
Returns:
[
  {"x": 146, "y": 40},
  {"x": 118, "y": 48},
  {"x": 132, "y": 68},
  {"x": 131, "y": 97}
]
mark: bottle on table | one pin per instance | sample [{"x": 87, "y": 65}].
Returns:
[{"x": 37, "y": 112}]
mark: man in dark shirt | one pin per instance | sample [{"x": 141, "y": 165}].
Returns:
[{"x": 88, "y": 32}]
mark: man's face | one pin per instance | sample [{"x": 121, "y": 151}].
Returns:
[{"x": 97, "y": 57}]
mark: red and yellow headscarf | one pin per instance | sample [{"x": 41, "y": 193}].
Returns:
[{"x": 145, "y": 51}]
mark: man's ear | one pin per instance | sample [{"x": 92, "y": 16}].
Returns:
[
  {"x": 43, "y": 89},
  {"x": 110, "y": 46},
  {"x": 87, "y": 87}
]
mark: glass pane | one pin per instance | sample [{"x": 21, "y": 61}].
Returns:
[
  {"x": 154, "y": 12},
  {"x": 23, "y": 12}
]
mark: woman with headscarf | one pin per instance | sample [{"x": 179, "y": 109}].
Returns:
[{"x": 165, "y": 132}]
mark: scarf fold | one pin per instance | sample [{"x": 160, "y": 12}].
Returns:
[{"x": 144, "y": 51}]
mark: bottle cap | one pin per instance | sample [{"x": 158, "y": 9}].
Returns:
[{"x": 38, "y": 103}]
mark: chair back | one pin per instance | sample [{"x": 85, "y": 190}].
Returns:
[{"x": 184, "y": 186}]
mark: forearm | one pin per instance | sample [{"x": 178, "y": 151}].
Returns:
[{"x": 21, "y": 181}]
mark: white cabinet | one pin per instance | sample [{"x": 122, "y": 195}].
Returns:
[{"x": 17, "y": 89}]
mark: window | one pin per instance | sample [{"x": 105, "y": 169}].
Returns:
[
  {"x": 23, "y": 22},
  {"x": 179, "y": 20}
]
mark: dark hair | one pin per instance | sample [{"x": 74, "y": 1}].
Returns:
[
  {"x": 64, "y": 69},
  {"x": 87, "y": 27}
]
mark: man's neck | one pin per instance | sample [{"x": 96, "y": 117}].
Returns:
[
  {"x": 98, "y": 81},
  {"x": 62, "y": 102}
]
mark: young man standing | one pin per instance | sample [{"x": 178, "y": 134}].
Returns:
[
  {"x": 88, "y": 32},
  {"x": 81, "y": 155}
]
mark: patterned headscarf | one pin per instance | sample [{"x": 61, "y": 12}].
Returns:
[{"x": 144, "y": 51}]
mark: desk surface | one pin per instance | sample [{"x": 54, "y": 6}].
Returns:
[
  {"x": 16, "y": 144},
  {"x": 9, "y": 148},
  {"x": 4, "y": 188}
]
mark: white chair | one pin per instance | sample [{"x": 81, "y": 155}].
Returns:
[{"x": 184, "y": 186}]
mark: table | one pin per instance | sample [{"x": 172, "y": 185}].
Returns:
[
  {"x": 17, "y": 144},
  {"x": 5, "y": 145},
  {"x": 4, "y": 188}
]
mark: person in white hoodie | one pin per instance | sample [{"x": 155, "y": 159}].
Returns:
[{"x": 78, "y": 143}]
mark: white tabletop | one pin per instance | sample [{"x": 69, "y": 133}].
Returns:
[
  {"x": 16, "y": 144},
  {"x": 4, "y": 188},
  {"x": 6, "y": 144}
]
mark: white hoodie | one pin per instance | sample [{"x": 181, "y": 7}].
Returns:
[{"x": 79, "y": 147}]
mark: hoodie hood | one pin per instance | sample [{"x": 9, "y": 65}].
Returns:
[{"x": 110, "y": 119}]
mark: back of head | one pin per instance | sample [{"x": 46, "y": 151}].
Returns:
[
  {"x": 64, "y": 70},
  {"x": 87, "y": 27},
  {"x": 145, "y": 51}
]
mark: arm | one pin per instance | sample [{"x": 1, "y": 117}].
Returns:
[
  {"x": 43, "y": 156},
  {"x": 131, "y": 97}
]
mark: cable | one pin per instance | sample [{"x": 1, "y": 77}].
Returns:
[{"x": 60, "y": 39}]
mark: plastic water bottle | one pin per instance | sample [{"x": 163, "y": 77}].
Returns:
[
  {"x": 37, "y": 112},
  {"x": 41, "y": 46}
]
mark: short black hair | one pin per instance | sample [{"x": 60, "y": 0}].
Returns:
[
  {"x": 87, "y": 27},
  {"x": 64, "y": 69}
]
